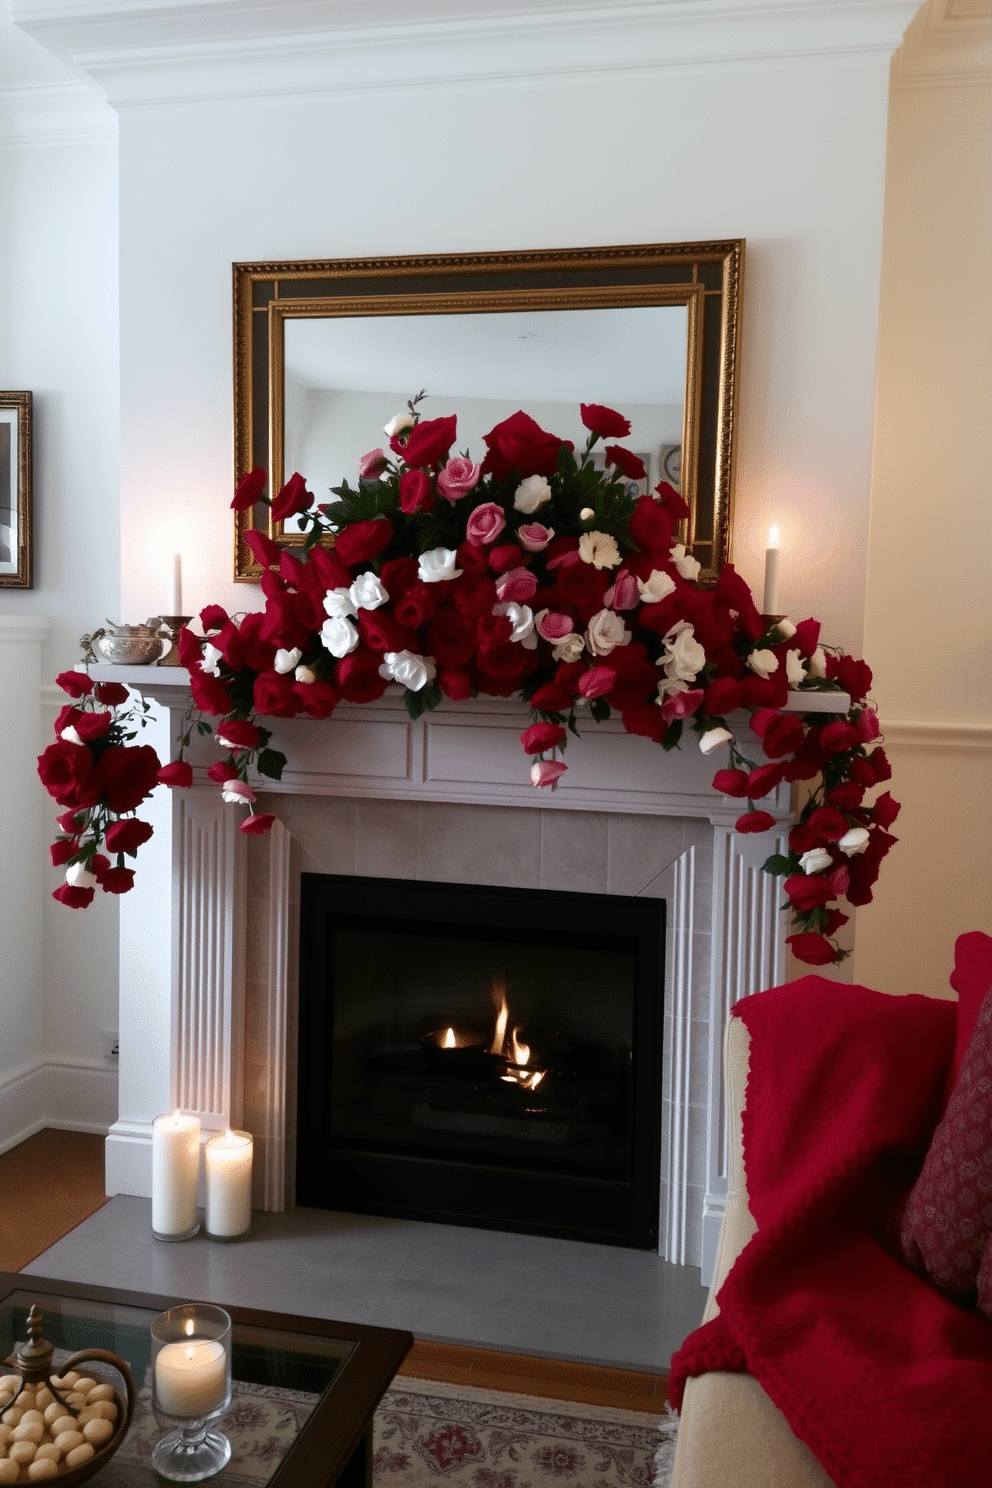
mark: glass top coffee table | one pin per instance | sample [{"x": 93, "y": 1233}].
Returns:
[{"x": 304, "y": 1389}]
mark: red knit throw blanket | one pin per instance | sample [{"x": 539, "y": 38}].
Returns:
[{"x": 888, "y": 1382}]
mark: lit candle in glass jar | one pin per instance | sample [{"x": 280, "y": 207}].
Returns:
[{"x": 228, "y": 1162}]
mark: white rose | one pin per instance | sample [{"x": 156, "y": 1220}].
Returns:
[
  {"x": 399, "y": 424},
  {"x": 368, "y": 592},
  {"x": 531, "y": 493},
  {"x": 763, "y": 663},
  {"x": 794, "y": 669},
  {"x": 599, "y": 549},
  {"x": 605, "y": 632},
  {"x": 687, "y": 566},
  {"x": 338, "y": 636},
  {"x": 684, "y": 657},
  {"x": 785, "y": 629},
  {"x": 714, "y": 738},
  {"x": 569, "y": 648},
  {"x": 818, "y": 663},
  {"x": 286, "y": 660},
  {"x": 211, "y": 659},
  {"x": 854, "y": 841},
  {"x": 237, "y": 793},
  {"x": 437, "y": 564},
  {"x": 586, "y": 514},
  {"x": 70, "y": 736},
  {"x": 79, "y": 876},
  {"x": 305, "y": 674},
  {"x": 815, "y": 860},
  {"x": 658, "y": 587},
  {"x": 410, "y": 670},
  {"x": 338, "y": 603},
  {"x": 670, "y": 685},
  {"x": 521, "y": 617}
]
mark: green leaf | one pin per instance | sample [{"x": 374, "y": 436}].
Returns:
[
  {"x": 779, "y": 865},
  {"x": 672, "y": 736},
  {"x": 271, "y": 762},
  {"x": 600, "y": 709},
  {"x": 423, "y": 701}
]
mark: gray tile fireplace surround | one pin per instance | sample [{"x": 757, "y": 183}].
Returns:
[{"x": 521, "y": 1293}]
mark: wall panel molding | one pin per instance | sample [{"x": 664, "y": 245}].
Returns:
[{"x": 939, "y": 738}]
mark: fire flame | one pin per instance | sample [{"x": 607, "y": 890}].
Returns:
[
  {"x": 513, "y": 1050},
  {"x": 449, "y": 1040}
]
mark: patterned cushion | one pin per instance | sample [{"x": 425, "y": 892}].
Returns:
[
  {"x": 971, "y": 979},
  {"x": 947, "y": 1222}
]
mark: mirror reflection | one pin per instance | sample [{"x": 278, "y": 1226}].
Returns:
[{"x": 345, "y": 378}]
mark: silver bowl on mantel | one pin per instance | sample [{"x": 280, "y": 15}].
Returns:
[{"x": 130, "y": 645}]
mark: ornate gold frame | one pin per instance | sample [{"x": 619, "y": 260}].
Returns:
[
  {"x": 705, "y": 277},
  {"x": 23, "y": 577}
]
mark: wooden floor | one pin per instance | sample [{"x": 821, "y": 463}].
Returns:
[{"x": 54, "y": 1180}]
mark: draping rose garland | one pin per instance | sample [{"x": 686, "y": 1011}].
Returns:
[{"x": 531, "y": 573}]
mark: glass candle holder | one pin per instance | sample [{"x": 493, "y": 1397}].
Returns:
[{"x": 191, "y": 1386}]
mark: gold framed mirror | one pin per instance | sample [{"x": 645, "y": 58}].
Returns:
[{"x": 326, "y": 352}]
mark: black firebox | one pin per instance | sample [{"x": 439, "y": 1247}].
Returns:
[{"x": 481, "y": 1056}]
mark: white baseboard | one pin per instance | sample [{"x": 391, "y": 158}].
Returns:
[
  {"x": 69, "y": 1095},
  {"x": 128, "y": 1158}
]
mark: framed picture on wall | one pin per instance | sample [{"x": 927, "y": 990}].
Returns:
[{"x": 15, "y": 490}]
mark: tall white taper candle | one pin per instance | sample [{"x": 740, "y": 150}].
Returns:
[
  {"x": 177, "y": 584},
  {"x": 175, "y": 1175},
  {"x": 769, "y": 603}
]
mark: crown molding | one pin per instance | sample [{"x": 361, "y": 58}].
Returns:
[
  {"x": 143, "y": 54},
  {"x": 946, "y": 45},
  {"x": 938, "y": 738},
  {"x": 54, "y": 113}
]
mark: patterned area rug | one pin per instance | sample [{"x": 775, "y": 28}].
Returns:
[{"x": 429, "y": 1434}]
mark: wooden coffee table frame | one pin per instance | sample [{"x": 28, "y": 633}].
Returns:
[{"x": 334, "y": 1449}]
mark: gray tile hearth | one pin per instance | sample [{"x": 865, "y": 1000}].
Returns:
[{"x": 523, "y": 1293}]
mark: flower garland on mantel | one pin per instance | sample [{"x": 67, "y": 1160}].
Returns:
[{"x": 531, "y": 574}]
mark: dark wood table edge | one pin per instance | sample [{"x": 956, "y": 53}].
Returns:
[{"x": 340, "y": 1426}]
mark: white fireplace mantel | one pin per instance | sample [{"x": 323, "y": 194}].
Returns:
[{"x": 183, "y": 927}]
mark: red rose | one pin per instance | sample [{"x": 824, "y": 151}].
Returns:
[
  {"x": 506, "y": 556},
  {"x": 415, "y": 607},
  {"x": 63, "y": 850},
  {"x": 605, "y": 422},
  {"x": 632, "y": 466},
  {"x": 326, "y": 570},
  {"x": 886, "y": 810},
  {"x": 722, "y": 696},
  {"x": 762, "y": 780},
  {"x": 128, "y": 835},
  {"x": 357, "y": 676},
  {"x": 66, "y": 772},
  {"x": 650, "y": 527},
  {"x": 807, "y": 637},
  {"x": 362, "y": 540},
  {"x": 89, "y": 725},
  {"x": 450, "y": 640},
  {"x": 263, "y": 548},
  {"x": 508, "y": 662},
  {"x": 74, "y": 897},
  {"x": 209, "y": 693},
  {"x": 292, "y": 499},
  {"x": 71, "y": 821},
  {"x": 221, "y": 772},
  {"x": 382, "y": 632},
  {"x": 415, "y": 492},
  {"x": 127, "y": 774},
  {"x": 291, "y": 570},
  {"x": 76, "y": 684},
  {"x": 472, "y": 560},
  {"x": 190, "y": 648},
  {"x": 111, "y": 693},
  {"x": 854, "y": 676},
  {"x": 237, "y": 733},
  {"x": 807, "y": 891},
  {"x": 427, "y": 443},
  {"x": 117, "y": 880},
  {"x": 474, "y": 596},
  {"x": 836, "y": 737},
  {"x": 398, "y": 575},
  {"x": 802, "y": 838},
  {"x": 550, "y": 698},
  {"x": 645, "y": 720},
  {"x": 520, "y": 444},
  {"x": 847, "y": 796},
  {"x": 730, "y": 782},
  {"x": 815, "y": 950},
  {"x": 669, "y": 498},
  {"x": 177, "y": 773},
  {"x": 754, "y": 821},
  {"x": 455, "y": 684},
  {"x": 318, "y": 699},
  {"x": 249, "y": 489},
  {"x": 280, "y": 625},
  {"x": 832, "y": 921},
  {"x": 273, "y": 696},
  {"x": 254, "y": 826},
  {"x": 732, "y": 592},
  {"x": 783, "y": 735},
  {"x": 827, "y": 823},
  {"x": 542, "y": 736},
  {"x": 583, "y": 586}
]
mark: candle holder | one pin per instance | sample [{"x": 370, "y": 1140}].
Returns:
[
  {"x": 169, "y": 628},
  {"x": 191, "y": 1386}
]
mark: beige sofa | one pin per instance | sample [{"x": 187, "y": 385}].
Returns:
[{"x": 730, "y": 1433}]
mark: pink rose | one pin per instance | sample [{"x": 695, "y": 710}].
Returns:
[
  {"x": 486, "y": 522},
  {"x": 457, "y": 478},
  {"x": 533, "y": 537},
  {"x": 517, "y": 584},
  {"x": 372, "y": 464},
  {"x": 552, "y": 626},
  {"x": 624, "y": 594},
  {"x": 596, "y": 682},
  {"x": 547, "y": 772}
]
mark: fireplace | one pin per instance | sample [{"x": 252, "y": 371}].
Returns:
[{"x": 481, "y": 1055}]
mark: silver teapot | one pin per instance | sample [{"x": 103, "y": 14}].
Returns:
[{"x": 128, "y": 645}]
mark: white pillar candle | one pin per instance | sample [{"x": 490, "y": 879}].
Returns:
[
  {"x": 228, "y": 1180},
  {"x": 177, "y": 585},
  {"x": 175, "y": 1173},
  {"x": 191, "y": 1378},
  {"x": 769, "y": 603}
]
